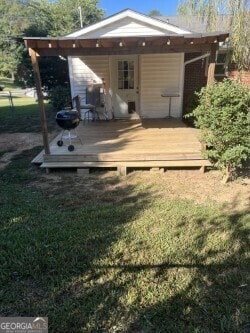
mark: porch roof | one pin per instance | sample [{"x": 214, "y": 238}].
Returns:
[{"x": 68, "y": 46}]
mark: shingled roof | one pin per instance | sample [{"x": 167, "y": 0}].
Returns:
[{"x": 195, "y": 23}]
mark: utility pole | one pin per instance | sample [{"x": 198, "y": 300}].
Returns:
[{"x": 80, "y": 11}]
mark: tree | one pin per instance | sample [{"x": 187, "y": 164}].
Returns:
[
  {"x": 223, "y": 117},
  {"x": 35, "y": 18},
  {"x": 53, "y": 18},
  {"x": 238, "y": 23},
  {"x": 12, "y": 22},
  {"x": 154, "y": 12},
  {"x": 59, "y": 18}
]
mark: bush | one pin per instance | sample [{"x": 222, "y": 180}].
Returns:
[
  {"x": 223, "y": 117},
  {"x": 191, "y": 104},
  {"x": 59, "y": 97}
]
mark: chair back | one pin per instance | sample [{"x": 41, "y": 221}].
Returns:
[
  {"x": 93, "y": 95},
  {"x": 76, "y": 103}
]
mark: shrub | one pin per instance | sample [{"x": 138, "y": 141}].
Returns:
[
  {"x": 59, "y": 97},
  {"x": 223, "y": 117},
  {"x": 191, "y": 104}
]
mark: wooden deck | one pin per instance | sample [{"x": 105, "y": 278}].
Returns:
[{"x": 128, "y": 143}]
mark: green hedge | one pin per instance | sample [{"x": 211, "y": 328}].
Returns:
[{"x": 223, "y": 117}]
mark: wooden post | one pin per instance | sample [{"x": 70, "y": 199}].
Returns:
[
  {"x": 11, "y": 102},
  {"x": 40, "y": 100},
  {"x": 122, "y": 171},
  {"x": 211, "y": 67}
]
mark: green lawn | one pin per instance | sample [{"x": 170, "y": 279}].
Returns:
[
  {"x": 106, "y": 254},
  {"x": 101, "y": 255},
  {"x": 25, "y": 115},
  {"x": 8, "y": 84}
]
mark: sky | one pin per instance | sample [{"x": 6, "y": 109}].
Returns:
[{"x": 165, "y": 7}]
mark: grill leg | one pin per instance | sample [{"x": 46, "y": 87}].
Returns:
[
  {"x": 69, "y": 138},
  {"x": 62, "y": 134}
]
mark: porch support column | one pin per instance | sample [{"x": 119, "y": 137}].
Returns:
[
  {"x": 40, "y": 100},
  {"x": 211, "y": 67}
]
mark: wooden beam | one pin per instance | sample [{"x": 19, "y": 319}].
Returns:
[
  {"x": 40, "y": 100},
  {"x": 109, "y": 50},
  {"x": 212, "y": 60}
]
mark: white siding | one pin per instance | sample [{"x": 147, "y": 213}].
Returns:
[
  {"x": 131, "y": 16},
  {"x": 85, "y": 69},
  {"x": 126, "y": 27},
  {"x": 158, "y": 73},
  {"x": 161, "y": 73}
]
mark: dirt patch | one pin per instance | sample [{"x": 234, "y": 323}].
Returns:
[
  {"x": 202, "y": 187},
  {"x": 12, "y": 144},
  {"x": 107, "y": 187}
]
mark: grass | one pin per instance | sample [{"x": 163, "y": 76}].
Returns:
[
  {"x": 100, "y": 256},
  {"x": 25, "y": 116},
  {"x": 9, "y": 84},
  {"x": 105, "y": 255}
]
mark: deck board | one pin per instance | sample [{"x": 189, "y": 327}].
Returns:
[{"x": 129, "y": 142}]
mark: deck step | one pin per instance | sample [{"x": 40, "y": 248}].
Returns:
[
  {"x": 135, "y": 164},
  {"x": 39, "y": 158},
  {"x": 122, "y": 157}
]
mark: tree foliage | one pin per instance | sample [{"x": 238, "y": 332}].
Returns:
[
  {"x": 223, "y": 115},
  {"x": 154, "y": 12},
  {"x": 236, "y": 18},
  {"x": 35, "y": 18},
  {"x": 12, "y": 23},
  {"x": 58, "y": 18},
  {"x": 59, "y": 97}
]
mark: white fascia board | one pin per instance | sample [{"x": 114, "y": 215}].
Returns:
[{"x": 129, "y": 13}]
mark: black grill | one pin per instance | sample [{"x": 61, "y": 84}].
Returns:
[{"x": 68, "y": 120}]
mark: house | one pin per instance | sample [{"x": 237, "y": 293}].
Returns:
[
  {"x": 154, "y": 75},
  {"x": 193, "y": 72},
  {"x": 137, "y": 79},
  {"x": 141, "y": 62}
]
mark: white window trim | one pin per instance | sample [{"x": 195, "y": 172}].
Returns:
[{"x": 222, "y": 51}]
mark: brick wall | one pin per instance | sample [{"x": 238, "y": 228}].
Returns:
[{"x": 243, "y": 77}]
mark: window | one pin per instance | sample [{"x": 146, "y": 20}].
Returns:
[
  {"x": 221, "y": 64},
  {"x": 126, "y": 74}
]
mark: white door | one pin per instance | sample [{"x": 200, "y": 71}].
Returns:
[{"x": 124, "y": 85}]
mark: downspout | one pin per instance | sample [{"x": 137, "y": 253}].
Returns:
[{"x": 197, "y": 58}]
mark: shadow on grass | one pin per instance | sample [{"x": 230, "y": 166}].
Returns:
[
  {"x": 216, "y": 299},
  {"x": 25, "y": 118},
  {"x": 91, "y": 254},
  {"x": 48, "y": 249}
]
